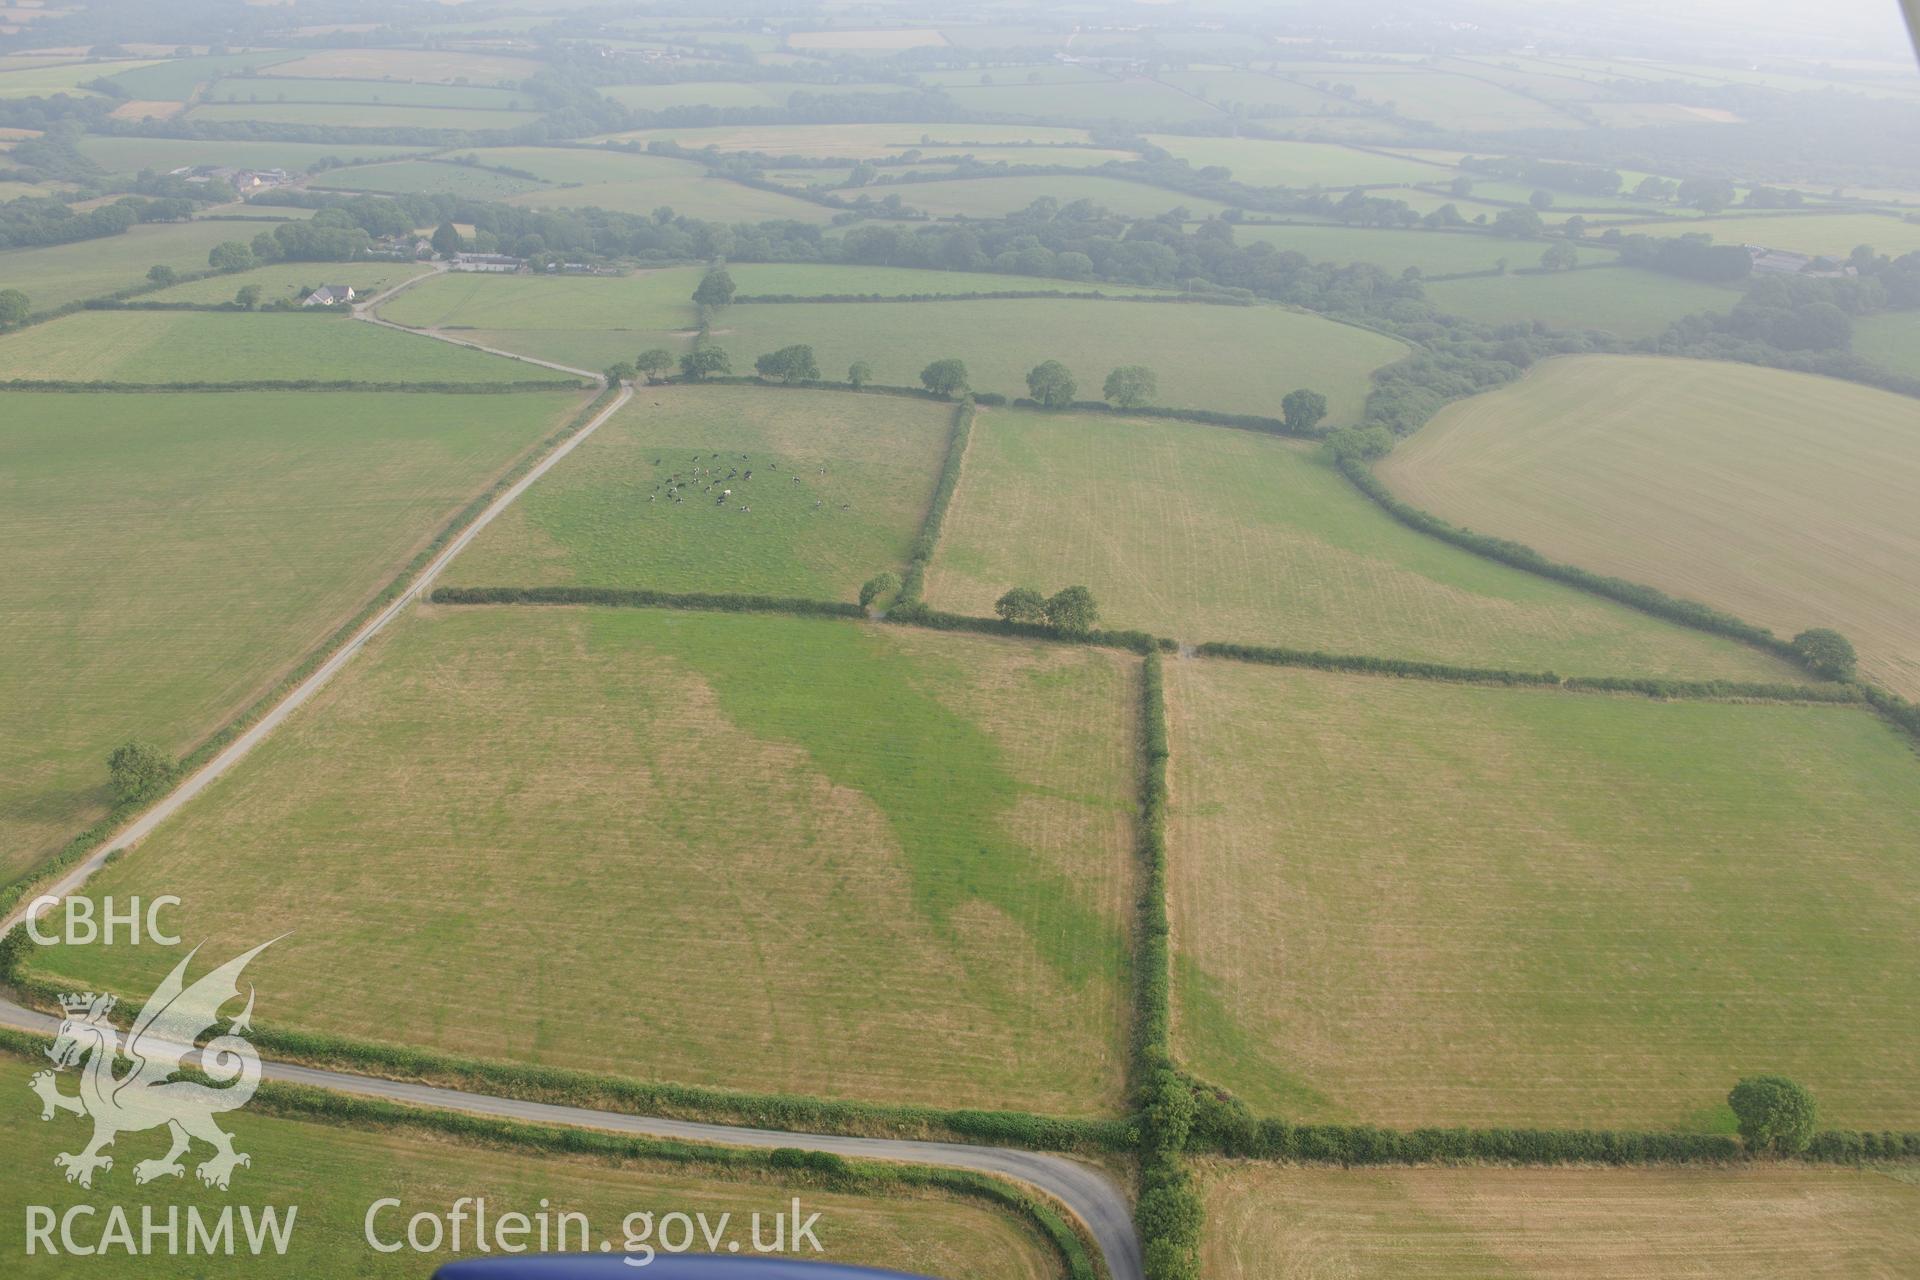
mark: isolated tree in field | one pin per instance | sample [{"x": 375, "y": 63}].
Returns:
[
  {"x": 249, "y": 296},
  {"x": 859, "y": 374},
  {"x": 653, "y": 363},
  {"x": 162, "y": 274},
  {"x": 1130, "y": 386},
  {"x": 14, "y": 307},
  {"x": 619, "y": 373},
  {"x": 715, "y": 289},
  {"x": 945, "y": 377},
  {"x": 1462, "y": 186},
  {"x": 1072, "y": 610},
  {"x": 704, "y": 362},
  {"x": 230, "y": 255},
  {"x": 880, "y": 584},
  {"x": 1560, "y": 256},
  {"x": 1022, "y": 604},
  {"x": 1774, "y": 1114},
  {"x": 447, "y": 240},
  {"x": 1303, "y": 409},
  {"x": 1826, "y": 653},
  {"x": 1541, "y": 200},
  {"x": 1051, "y": 384},
  {"x": 789, "y": 364},
  {"x": 138, "y": 769}
]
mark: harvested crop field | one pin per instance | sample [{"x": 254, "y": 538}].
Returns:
[
  {"x": 1783, "y": 498},
  {"x": 735, "y": 489},
  {"x": 1209, "y": 533},
  {"x": 770, "y": 853},
  {"x": 171, "y": 555},
  {"x": 1763, "y": 1223},
  {"x": 1411, "y": 903}
]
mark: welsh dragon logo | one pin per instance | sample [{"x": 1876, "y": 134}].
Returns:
[{"x": 146, "y": 1096}]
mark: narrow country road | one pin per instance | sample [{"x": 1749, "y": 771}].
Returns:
[{"x": 1087, "y": 1192}]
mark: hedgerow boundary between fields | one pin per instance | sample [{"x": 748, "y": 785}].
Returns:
[{"x": 790, "y": 1165}]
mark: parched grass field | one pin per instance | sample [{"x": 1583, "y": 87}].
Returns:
[
  {"x": 734, "y": 93},
  {"x": 168, "y": 555},
  {"x": 54, "y": 275},
  {"x": 1767, "y": 1222},
  {"x": 130, "y": 155},
  {"x": 61, "y": 77},
  {"x": 1394, "y": 250},
  {"x": 1783, "y": 498},
  {"x": 424, "y": 177},
  {"x": 267, "y": 89},
  {"x": 839, "y": 488},
  {"x": 1207, "y": 533},
  {"x": 200, "y": 346},
  {"x": 1834, "y": 234},
  {"x": 359, "y": 115},
  {"x": 178, "y": 78},
  {"x": 1261, "y": 163},
  {"x": 768, "y": 852},
  {"x": 1137, "y": 99},
  {"x": 287, "y": 279},
  {"x": 445, "y": 66},
  {"x": 853, "y": 141},
  {"x": 996, "y": 197},
  {"x": 1622, "y": 300},
  {"x": 1411, "y": 903},
  {"x": 333, "y": 1172}
]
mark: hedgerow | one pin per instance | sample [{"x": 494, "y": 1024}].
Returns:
[
  {"x": 1652, "y": 686},
  {"x": 917, "y": 614},
  {"x": 1004, "y": 295},
  {"x": 640, "y": 598},
  {"x": 1245, "y": 421},
  {"x": 929, "y": 537}
]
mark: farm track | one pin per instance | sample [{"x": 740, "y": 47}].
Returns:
[{"x": 1091, "y": 1195}]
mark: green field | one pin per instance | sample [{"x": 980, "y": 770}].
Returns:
[
  {"x": 732, "y": 93},
  {"x": 1450, "y": 101},
  {"x": 54, "y": 275},
  {"x": 359, "y": 115},
  {"x": 334, "y": 1172},
  {"x": 1891, "y": 338},
  {"x": 168, "y": 555},
  {"x": 1233, "y": 88},
  {"x": 853, "y": 141},
  {"x": 1783, "y": 498},
  {"x": 1137, "y": 101},
  {"x": 130, "y": 155},
  {"x": 1433, "y": 252},
  {"x": 1259, "y": 163},
  {"x": 1266, "y": 1222},
  {"x": 768, "y": 852},
  {"x": 1408, "y": 903},
  {"x": 591, "y": 308},
  {"x": 442, "y": 66},
  {"x": 640, "y": 184},
  {"x": 176, "y": 80},
  {"x": 1833, "y": 234},
  {"x": 424, "y": 177},
  {"x": 996, "y": 197},
  {"x": 839, "y": 488},
  {"x": 812, "y": 279},
  {"x": 200, "y": 346},
  {"x": 61, "y": 77},
  {"x": 1240, "y": 359},
  {"x": 271, "y": 89},
  {"x": 1622, "y": 300},
  {"x": 1207, "y": 533},
  {"x": 291, "y": 279}
]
